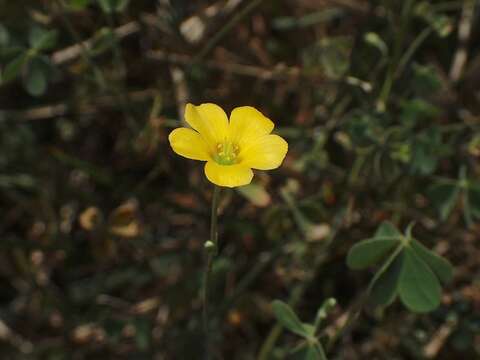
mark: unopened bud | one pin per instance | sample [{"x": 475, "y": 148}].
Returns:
[{"x": 209, "y": 245}]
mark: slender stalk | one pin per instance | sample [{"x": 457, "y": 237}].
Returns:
[
  {"x": 412, "y": 48},
  {"x": 211, "y": 248},
  {"x": 397, "y": 52}
]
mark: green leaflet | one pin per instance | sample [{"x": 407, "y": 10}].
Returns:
[
  {"x": 385, "y": 288},
  {"x": 441, "y": 267},
  {"x": 387, "y": 229},
  {"x": 287, "y": 317},
  {"x": 369, "y": 252},
  {"x": 419, "y": 288}
]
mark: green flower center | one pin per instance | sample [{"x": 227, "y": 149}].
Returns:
[{"x": 226, "y": 153}]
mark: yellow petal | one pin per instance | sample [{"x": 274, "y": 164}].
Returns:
[
  {"x": 265, "y": 153},
  {"x": 228, "y": 175},
  {"x": 189, "y": 143},
  {"x": 247, "y": 124},
  {"x": 209, "y": 120}
]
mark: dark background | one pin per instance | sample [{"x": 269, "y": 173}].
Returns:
[{"x": 102, "y": 225}]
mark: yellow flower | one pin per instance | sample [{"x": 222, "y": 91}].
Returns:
[{"x": 230, "y": 148}]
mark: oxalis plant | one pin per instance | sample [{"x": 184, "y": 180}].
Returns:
[{"x": 231, "y": 148}]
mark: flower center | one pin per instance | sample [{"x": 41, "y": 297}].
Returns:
[{"x": 226, "y": 153}]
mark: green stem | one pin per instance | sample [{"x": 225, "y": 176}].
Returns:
[
  {"x": 211, "y": 248},
  {"x": 392, "y": 69},
  {"x": 411, "y": 50}
]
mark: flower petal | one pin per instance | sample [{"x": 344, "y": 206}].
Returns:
[
  {"x": 265, "y": 153},
  {"x": 188, "y": 143},
  {"x": 248, "y": 124},
  {"x": 209, "y": 120},
  {"x": 228, "y": 175}
]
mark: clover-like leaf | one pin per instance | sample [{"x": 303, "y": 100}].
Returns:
[
  {"x": 419, "y": 288},
  {"x": 287, "y": 317},
  {"x": 411, "y": 270}
]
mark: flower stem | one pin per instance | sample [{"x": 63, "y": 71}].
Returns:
[{"x": 211, "y": 249}]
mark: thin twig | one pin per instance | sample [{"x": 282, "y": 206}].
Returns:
[
  {"x": 7, "y": 334},
  {"x": 433, "y": 347},
  {"x": 72, "y": 52},
  {"x": 464, "y": 32}
]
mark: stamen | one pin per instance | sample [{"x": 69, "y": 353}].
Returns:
[{"x": 226, "y": 153}]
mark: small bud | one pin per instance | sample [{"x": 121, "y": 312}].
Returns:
[
  {"x": 330, "y": 303},
  {"x": 209, "y": 245}
]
